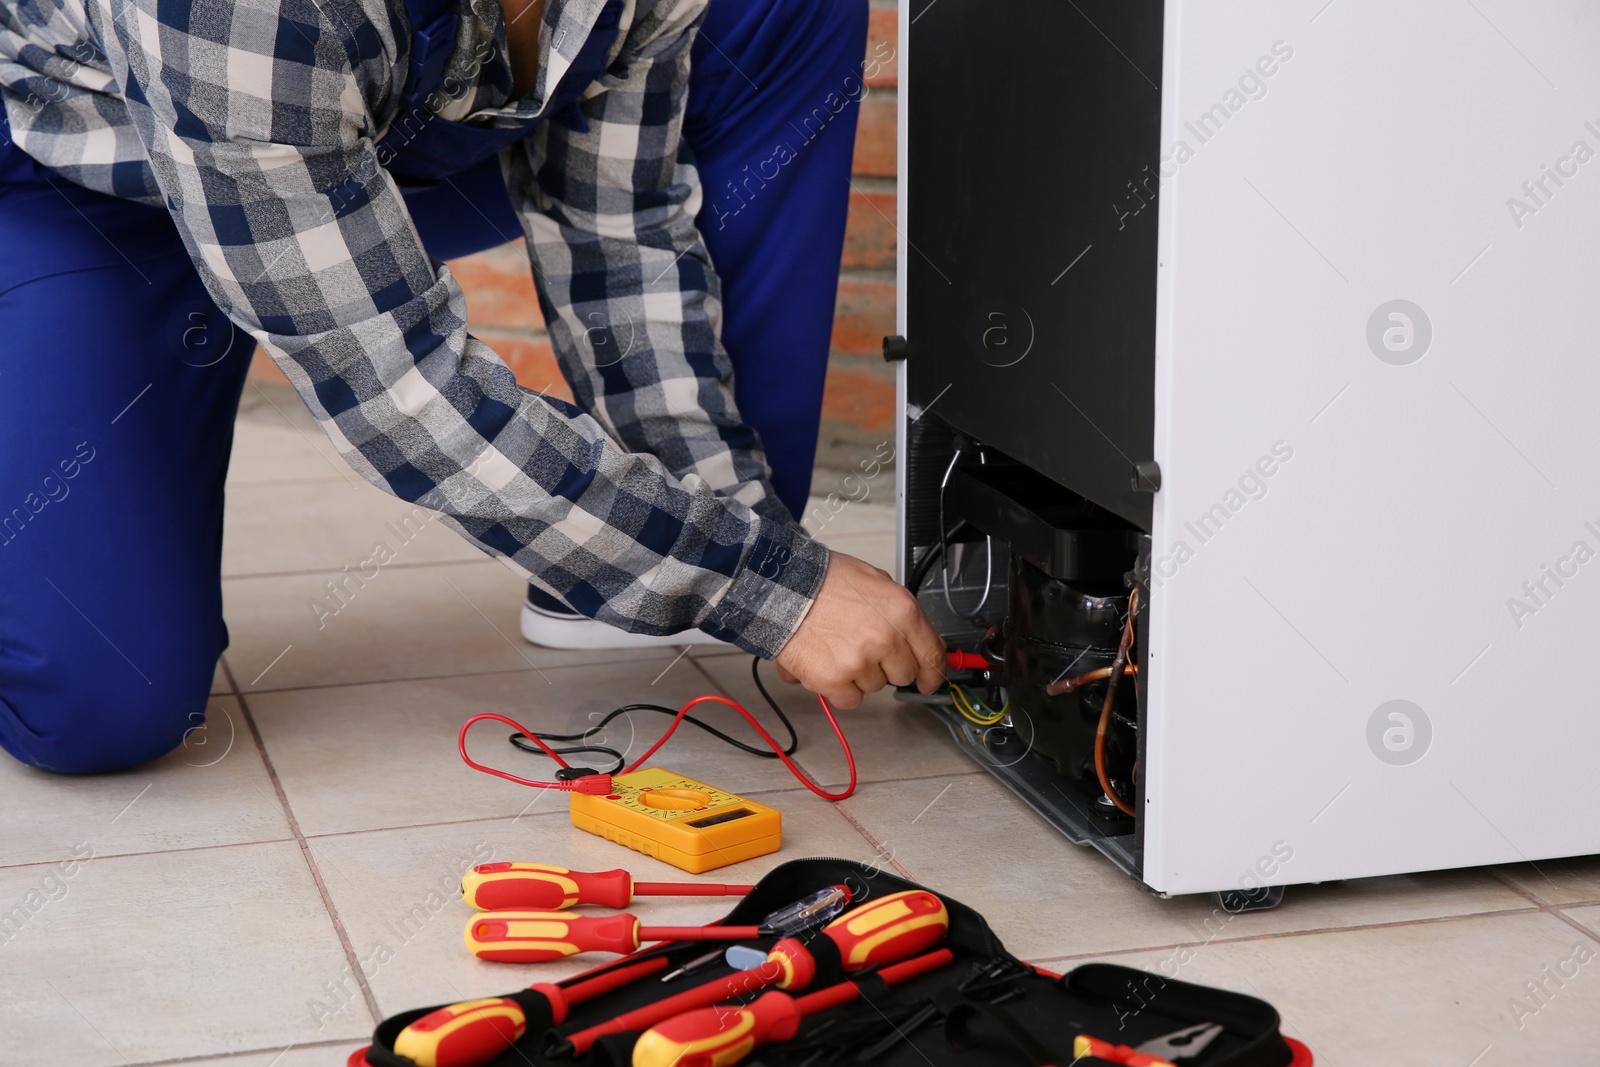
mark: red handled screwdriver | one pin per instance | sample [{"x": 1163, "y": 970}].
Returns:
[
  {"x": 514, "y": 936},
  {"x": 511, "y": 936},
  {"x": 722, "y": 1036},
  {"x": 884, "y": 931},
  {"x": 540, "y": 885},
  {"x": 476, "y": 1031}
]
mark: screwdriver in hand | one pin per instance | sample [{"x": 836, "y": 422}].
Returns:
[
  {"x": 722, "y": 1036},
  {"x": 542, "y": 886},
  {"x": 514, "y": 936},
  {"x": 880, "y": 932}
]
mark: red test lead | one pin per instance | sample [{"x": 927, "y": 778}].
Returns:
[{"x": 600, "y": 784}]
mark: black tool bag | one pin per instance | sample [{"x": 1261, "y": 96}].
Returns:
[{"x": 986, "y": 1008}]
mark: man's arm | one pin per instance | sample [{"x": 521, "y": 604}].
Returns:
[
  {"x": 631, "y": 300},
  {"x": 302, "y": 238},
  {"x": 630, "y": 295}
]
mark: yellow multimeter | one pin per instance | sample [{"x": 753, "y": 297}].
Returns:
[{"x": 677, "y": 820}]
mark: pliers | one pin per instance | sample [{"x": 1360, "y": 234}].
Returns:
[{"x": 1157, "y": 1052}]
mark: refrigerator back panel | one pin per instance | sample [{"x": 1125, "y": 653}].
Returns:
[{"x": 1033, "y": 134}]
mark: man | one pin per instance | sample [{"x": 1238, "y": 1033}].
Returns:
[{"x": 299, "y": 168}]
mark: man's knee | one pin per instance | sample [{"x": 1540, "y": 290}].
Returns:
[{"x": 83, "y": 725}]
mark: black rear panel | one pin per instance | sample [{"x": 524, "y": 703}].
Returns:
[{"x": 1033, "y": 143}]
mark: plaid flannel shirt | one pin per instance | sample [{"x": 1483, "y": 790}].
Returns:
[{"x": 258, "y": 125}]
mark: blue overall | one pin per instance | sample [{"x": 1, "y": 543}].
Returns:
[{"x": 120, "y": 379}]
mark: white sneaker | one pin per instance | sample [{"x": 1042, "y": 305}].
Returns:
[{"x": 548, "y": 622}]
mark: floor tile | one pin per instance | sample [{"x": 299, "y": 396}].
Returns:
[
  {"x": 384, "y": 755},
  {"x": 972, "y": 838},
  {"x": 263, "y": 452},
  {"x": 404, "y": 622},
  {"x": 890, "y": 738},
  {"x": 311, "y": 1054},
  {"x": 1565, "y": 881},
  {"x": 293, "y": 527},
  {"x": 273, "y": 402},
  {"x": 396, "y": 892},
  {"x": 170, "y": 907},
  {"x": 290, "y": 631},
  {"x": 212, "y": 790},
  {"x": 141, "y": 958},
  {"x": 1586, "y": 915},
  {"x": 219, "y": 679},
  {"x": 1421, "y": 995}
]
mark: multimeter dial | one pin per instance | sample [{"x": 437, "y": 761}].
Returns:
[
  {"x": 678, "y": 820},
  {"x": 674, "y": 799}
]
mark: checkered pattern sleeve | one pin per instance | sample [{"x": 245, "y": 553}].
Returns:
[
  {"x": 630, "y": 297},
  {"x": 257, "y": 119}
]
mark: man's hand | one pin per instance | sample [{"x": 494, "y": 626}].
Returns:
[{"x": 864, "y": 631}]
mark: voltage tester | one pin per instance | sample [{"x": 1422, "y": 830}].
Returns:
[
  {"x": 668, "y": 816},
  {"x": 691, "y": 825}
]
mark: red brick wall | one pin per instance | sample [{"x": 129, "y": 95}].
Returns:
[
  {"x": 858, "y": 405},
  {"x": 859, "y": 401}
]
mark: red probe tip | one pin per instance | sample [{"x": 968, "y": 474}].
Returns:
[{"x": 960, "y": 661}]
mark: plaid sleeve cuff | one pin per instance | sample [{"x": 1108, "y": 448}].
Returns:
[{"x": 773, "y": 590}]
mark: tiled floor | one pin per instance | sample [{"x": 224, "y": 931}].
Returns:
[{"x": 258, "y": 897}]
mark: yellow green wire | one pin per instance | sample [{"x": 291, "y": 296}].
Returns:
[{"x": 969, "y": 707}]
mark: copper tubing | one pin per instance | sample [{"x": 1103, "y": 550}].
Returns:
[
  {"x": 1119, "y": 667},
  {"x": 1057, "y": 688}
]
